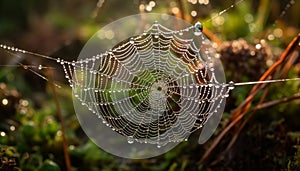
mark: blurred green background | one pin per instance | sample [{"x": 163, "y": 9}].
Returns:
[{"x": 30, "y": 132}]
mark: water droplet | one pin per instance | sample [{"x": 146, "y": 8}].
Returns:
[
  {"x": 58, "y": 60},
  {"x": 130, "y": 139},
  {"x": 292, "y": 2},
  {"x": 131, "y": 40},
  {"x": 226, "y": 95},
  {"x": 12, "y": 128},
  {"x": 40, "y": 67},
  {"x": 180, "y": 33},
  {"x": 2, "y": 134},
  {"x": 194, "y": 13},
  {"x": 198, "y": 27},
  {"x": 4, "y": 102},
  {"x": 231, "y": 85}
]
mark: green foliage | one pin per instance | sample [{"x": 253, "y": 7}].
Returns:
[
  {"x": 49, "y": 165},
  {"x": 294, "y": 161},
  {"x": 30, "y": 133}
]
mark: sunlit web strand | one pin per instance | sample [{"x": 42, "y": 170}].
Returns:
[
  {"x": 147, "y": 97},
  {"x": 145, "y": 48},
  {"x": 223, "y": 11}
]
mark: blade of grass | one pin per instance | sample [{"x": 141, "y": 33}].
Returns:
[{"x": 262, "y": 15}]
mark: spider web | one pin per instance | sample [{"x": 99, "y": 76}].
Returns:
[{"x": 156, "y": 87}]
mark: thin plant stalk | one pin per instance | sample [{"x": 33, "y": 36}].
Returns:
[{"x": 61, "y": 120}]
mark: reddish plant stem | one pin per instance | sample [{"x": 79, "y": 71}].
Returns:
[
  {"x": 275, "y": 102},
  {"x": 222, "y": 134},
  {"x": 262, "y": 105},
  {"x": 243, "y": 109},
  {"x": 181, "y": 9},
  {"x": 61, "y": 120},
  {"x": 212, "y": 36}
]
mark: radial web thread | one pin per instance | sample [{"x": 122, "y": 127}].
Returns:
[{"x": 156, "y": 87}]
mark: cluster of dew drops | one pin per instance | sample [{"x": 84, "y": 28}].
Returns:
[{"x": 148, "y": 7}]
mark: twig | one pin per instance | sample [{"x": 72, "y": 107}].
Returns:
[
  {"x": 275, "y": 102},
  {"x": 240, "y": 111},
  {"x": 293, "y": 57},
  {"x": 258, "y": 107},
  {"x": 262, "y": 105},
  {"x": 181, "y": 8},
  {"x": 60, "y": 117},
  {"x": 293, "y": 44},
  {"x": 223, "y": 133},
  {"x": 212, "y": 36}
]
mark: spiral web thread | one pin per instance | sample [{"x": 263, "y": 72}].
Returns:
[
  {"x": 152, "y": 88},
  {"x": 157, "y": 87}
]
